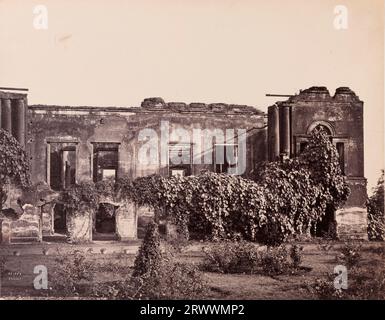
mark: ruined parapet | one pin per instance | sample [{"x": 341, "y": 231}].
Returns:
[{"x": 158, "y": 104}]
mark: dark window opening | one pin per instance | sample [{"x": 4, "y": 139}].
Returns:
[
  {"x": 105, "y": 161},
  {"x": 62, "y": 166},
  {"x": 180, "y": 160},
  {"x": 302, "y": 147},
  {"x": 341, "y": 154},
  {"x": 226, "y": 157}
]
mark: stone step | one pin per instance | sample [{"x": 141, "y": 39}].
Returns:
[
  {"x": 22, "y": 240},
  {"x": 55, "y": 238}
]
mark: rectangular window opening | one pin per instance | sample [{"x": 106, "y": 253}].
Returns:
[{"x": 105, "y": 161}]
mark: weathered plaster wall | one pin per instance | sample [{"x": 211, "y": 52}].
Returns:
[
  {"x": 343, "y": 112},
  {"x": 84, "y": 126}
]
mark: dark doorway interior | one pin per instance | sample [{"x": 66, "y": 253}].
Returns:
[
  {"x": 59, "y": 222},
  {"x": 326, "y": 227},
  {"x": 105, "y": 223}
]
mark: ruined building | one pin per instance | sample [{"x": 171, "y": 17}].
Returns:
[{"x": 72, "y": 144}]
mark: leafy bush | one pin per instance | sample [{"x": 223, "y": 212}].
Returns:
[
  {"x": 72, "y": 275},
  {"x": 376, "y": 216},
  {"x": 172, "y": 280},
  {"x": 324, "y": 289},
  {"x": 296, "y": 255},
  {"x": 245, "y": 257},
  {"x": 363, "y": 283},
  {"x": 80, "y": 195},
  {"x": 274, "y": 261},
  {"x": 231, "y": 257},
  {"x": 14, "y": 165},
  {"x": 350, "y": 254}
]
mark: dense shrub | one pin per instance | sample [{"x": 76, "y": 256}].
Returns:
[
  {"x": 172, "y": 280},
  {"x": 231, "y": 257},
  {"x": 350, "y": 254},
  {"x": 72, "y": 275},
  {"x": 274, "y": 261},
  {"x": 246, "y": 257},
  {"x": 14, "y": 165},
  {"x": 80, "y": 195},
  {"x": 376, "y": 215},
  {"x": 366, "y": 280},
  {"x": 296, "y": 255}
]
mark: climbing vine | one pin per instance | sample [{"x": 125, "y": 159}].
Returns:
[
  {"x": 286, "y": 198},
  {"x": 14, "y": 165}
]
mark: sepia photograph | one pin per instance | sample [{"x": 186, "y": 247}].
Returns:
[{"x": 205, "y": 151}]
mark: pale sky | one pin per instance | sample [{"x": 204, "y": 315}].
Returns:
[{"x": 117, "y": 52}]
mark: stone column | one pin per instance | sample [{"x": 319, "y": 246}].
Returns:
[
  {"x": 0, "y": 114},
  {"x": 18, "y": 129},
  {"x": 273, "y": 128},
  {"x": 6, "y": 116},
  {"x": 285, "y": 130}
]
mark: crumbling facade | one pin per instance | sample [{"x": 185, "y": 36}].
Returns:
[{"x": 72, "y": 144}]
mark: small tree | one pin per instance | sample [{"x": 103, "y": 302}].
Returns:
[
  {"x": 376, "y": 217},
  {"x": 14, "y": 166},
  {"x": 149, "y": 256}
]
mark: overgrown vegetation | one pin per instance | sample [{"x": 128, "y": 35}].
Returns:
[
  {"x": 231, "y": 257},
  {"x": 376, "y": 216},
  {"x": 364, "y": 280},
  {"x": 149, "y": 256},
  {"x": 287, "y": 198},
  {"x": 244, "y": 257},
  {"x": 14, "y": 165},
  {"x": 156, "y": 275}
]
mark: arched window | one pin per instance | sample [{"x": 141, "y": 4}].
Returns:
[{"x": 321, "y": 127}]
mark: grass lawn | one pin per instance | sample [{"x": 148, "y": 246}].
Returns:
[{"x": 17, "y": 279}]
